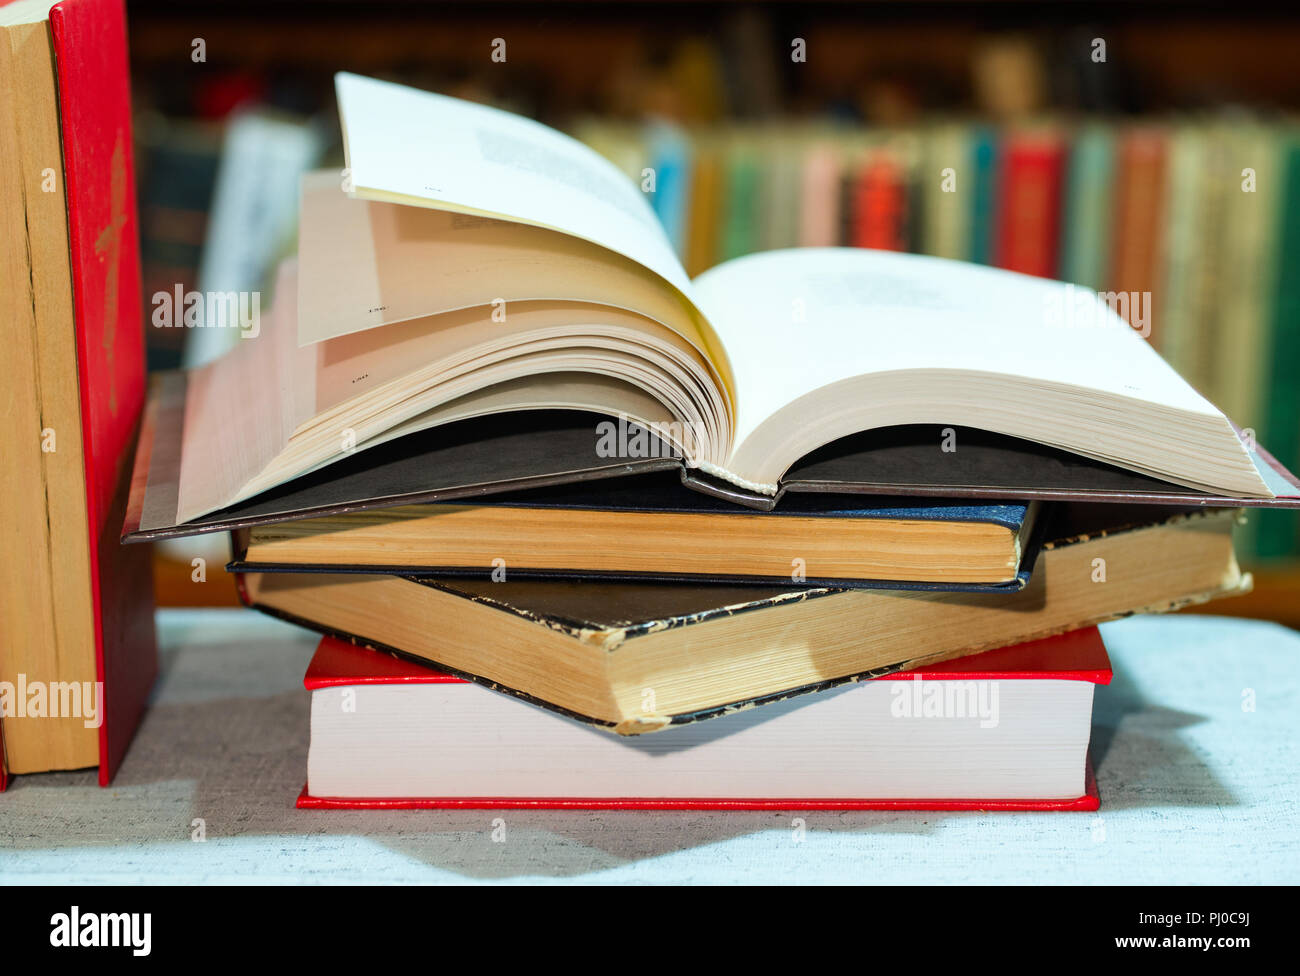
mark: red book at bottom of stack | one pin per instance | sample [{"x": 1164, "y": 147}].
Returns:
[{"x": 1004, "y": 730}]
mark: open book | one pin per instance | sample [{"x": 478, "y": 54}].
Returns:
[{"x": 480, "y": 302}]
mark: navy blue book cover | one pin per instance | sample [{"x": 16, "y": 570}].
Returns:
[{"x": 666, "y": 495}]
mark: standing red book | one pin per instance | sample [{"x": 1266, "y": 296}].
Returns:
[
  {"x": 388, "y": 733},
  {"x": 1029, "y": 217},
  {"x": 95, "y": 106},
  {"x": 105, "y": 346}
]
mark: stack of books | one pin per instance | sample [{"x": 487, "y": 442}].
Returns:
[{"x": 491, "y": 433}]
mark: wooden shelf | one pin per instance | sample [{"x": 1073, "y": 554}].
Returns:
[
  {"x": 173, "y": 585},
  {"x": 1276, "y": 597}
]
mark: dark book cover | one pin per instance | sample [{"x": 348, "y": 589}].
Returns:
[
  {"x": 664, "y": 494},
  {"x": 513, "y": 452}
]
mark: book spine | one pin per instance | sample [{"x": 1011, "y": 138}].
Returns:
[
  {"x": 1029, "y": 222},
  {"x": 947, "y": 188},
  {"x": 742, "y": 189},
  {"x": 1187, "y": 219},
  {"x": 671, "y": 199},
  {"x": 983, "y": 220},
  {"x": 704, "y": 216},
  {"x": 1136, "y": 239},
  {"x": 1087, "y": 196},
  {"x": 881, "y": 205},
  {"x": 820, "y": 200},
  {"x": 1277, "y": 530}
]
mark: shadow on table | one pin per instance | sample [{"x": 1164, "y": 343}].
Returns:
[{"x": 1140, "y": 757}]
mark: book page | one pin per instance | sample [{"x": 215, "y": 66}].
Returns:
[
  {"x": 416, "y": 147},
  {"x": 362, "y": 363},
  {"x": 800, "y": 320},
  {"x": 365, "y": 264},
  {"x": 242, "y": 408},
  {"x": 271, "y": 410}
]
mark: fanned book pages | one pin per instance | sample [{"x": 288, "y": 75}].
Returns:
[{"x": 481, "y": 303}]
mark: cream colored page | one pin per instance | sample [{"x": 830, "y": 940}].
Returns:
[
  {"x": 365, "y": 264},
  {"x": 798, "y": 320},
  {"x": 418, "y": 147},
  {"x": 546, "y": 391},
  {"x": 561, "y": 389},
  {"x": 241, "y": 409},
  {"x": 352, "y": 365}
]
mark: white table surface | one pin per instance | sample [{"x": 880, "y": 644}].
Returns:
[{"x": 1194, "y": 789}]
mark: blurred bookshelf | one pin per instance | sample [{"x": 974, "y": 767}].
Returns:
[{"x": 1143, "y": 149}]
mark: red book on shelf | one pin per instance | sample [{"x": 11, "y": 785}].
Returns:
[
  {"x": 1029, "y": 204},
  {"x": 880, "y": 205},
  {"x": 1138, "y": 218},
  {"x": 383, "y": 727}
]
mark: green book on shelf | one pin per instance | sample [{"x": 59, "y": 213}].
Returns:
[
  {"x": 947, "y": 193},
  {"x": 1192, "y": 195},
  {"x": 1251, "y": 256},
  {"x": 739, "y": 224},
  {"x": 1085, "y": 232},
  {"x": 779, "y": 194},
  {"x": 984, "y": 158},
  {"x": 1277, "y": 530}
]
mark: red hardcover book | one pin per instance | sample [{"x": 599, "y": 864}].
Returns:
[
  {"x": 1057, "y": 675},
  {"x": 1029, "y": 217},
  {"x": 95, "y": 111}
]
